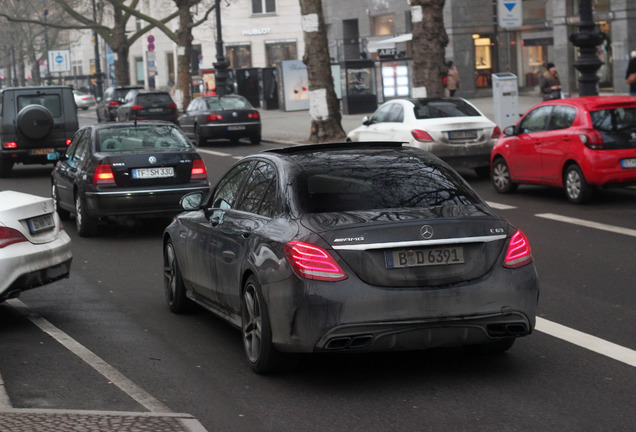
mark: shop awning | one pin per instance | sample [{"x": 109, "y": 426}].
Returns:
[{"x": 375, "y": 45}]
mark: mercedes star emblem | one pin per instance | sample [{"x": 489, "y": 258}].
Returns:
[{"x": 426, "y": 232}]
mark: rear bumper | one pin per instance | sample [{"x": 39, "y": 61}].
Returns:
[
  {"x": 225, "y": 131},
  {"x": 152, "y": 202},
  {"x": 25, "y": 156},
  {"x": 26, "y": 265},
  {"x": 469, "y": 155},
  {"x": 313, "y": 316}
]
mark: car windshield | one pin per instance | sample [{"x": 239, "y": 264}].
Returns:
[
  {"x": 49, "y": 101},
  {"x": 439, "y": 108},
  {"x": 612, "y": 120},
  {"x": 140, "y": 138},
  {"x": 379, "y": 181},
  {"x": 227, "y": 103}
]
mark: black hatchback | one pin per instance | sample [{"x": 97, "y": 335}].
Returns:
[
  {"x": 135, "y": 169},
  {"x": 147, "y": 105},
  {"x": 352, "y": 247}
]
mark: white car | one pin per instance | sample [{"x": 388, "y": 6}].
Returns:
[
  {"x": 34, "y": 248},
  {"x": 452, "y": 129},
  {"x": 84, "y": 100}
]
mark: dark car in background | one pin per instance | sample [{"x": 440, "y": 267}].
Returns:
[
  {"x": 576, "y": 144},
  {"x": 113, "y": 97},
  {"x": 35, "y": 121},
  {"x": 229, "y": 117},
  {"x": 350, "y": 247},
  {"x": 125, "y": 170},
  {"x": 147, "y": 105}
]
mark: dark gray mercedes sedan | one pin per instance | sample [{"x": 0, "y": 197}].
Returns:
[{"x": 352, "y": 247}]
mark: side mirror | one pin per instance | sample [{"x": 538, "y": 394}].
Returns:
[
  {"x": 191, "y": 201},
  {"x": 366, "y": 121},
  {"x": 53, "y": 157},
  {"x": 509, "y": 131}
]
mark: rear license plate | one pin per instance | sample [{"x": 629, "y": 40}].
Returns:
[
  {"x": 155, "y": 110},
  {"x": 40, "y": 223},
  {"x": 149, "y": 173},
  {"x": 462, "y": 134},
  {"x": 628, "y": 163},
  {"x": 424, "y": 257},
  {"x": 235, "y": 128},
  {"x": 41, "y": 151}
]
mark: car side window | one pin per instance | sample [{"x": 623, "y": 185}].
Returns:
[
  {"x": 77, "y": 149},
  {"x": 562, "y": 117},
  {"x": 260, "y": 191},
  {"x": 382, "y": 114},
  {"x": 227, "y": 191},
  {"x": 397, "y": 113},
  {"x": 536, "y": 120},
  {"x": 192, "y": 106},
  {"x": 73, "y": 145}
]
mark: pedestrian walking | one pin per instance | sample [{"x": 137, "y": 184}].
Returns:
[
  {"x": 452, "y": 79},
  {"x": 630, "y": 75},
  {"x": 550, "y": 83}
]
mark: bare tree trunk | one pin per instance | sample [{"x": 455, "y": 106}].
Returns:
[
  {"x": 324, "y": 107},
  {"x": 429, "y": 48},
  {"x": 184, "y": 44}
]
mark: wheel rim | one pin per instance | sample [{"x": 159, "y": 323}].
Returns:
[
  {"x": 56, "y": 206},
  {"x": 501, "y": 176},
  {"x": 252, "y": 323},
  {"x": 169, "y": 273},
  {"x": 573, "y": 184},
  {"x": 78, "y": 212}
]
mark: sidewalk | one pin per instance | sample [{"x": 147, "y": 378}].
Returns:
[{"x": 294, "y": 127}]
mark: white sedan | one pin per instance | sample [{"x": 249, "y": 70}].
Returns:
[
  {"x": 452, "y": 129},
  {"x": 34, "y": 248},
  {"x": 84, "y": 100}
]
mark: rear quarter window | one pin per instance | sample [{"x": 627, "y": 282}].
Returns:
[{"x": 613, "y": 120}]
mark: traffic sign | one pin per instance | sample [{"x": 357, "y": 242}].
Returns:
[
  {"x": 509, "y": 13},
  {"x": 150, "y": 39},
  {"x": 59, "y": 61},
  {"x": 151, "y": 47}
]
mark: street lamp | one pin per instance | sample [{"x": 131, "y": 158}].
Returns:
[
  {"x": 220, "y": 67},
  {"x": 587, "y": 39}
]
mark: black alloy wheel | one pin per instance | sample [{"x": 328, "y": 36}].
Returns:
[
  {"x": 173, "y": 285},
  {"x": 86, "y": 225}
]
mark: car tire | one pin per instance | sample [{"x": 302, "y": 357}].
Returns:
[
  {"x": 501, "y": 177},
  {"x": 34, "y": 122},
  {"x": 99, "y": 119},
  {"x": 86, "y": 225},
  {"x": 255, "y": 140},
  {"x": 577, "y": 190},
  {"x": 198, "y": 139},
  {"x": 63, "y": 214},
  {"x": 5, "y": 168},
  {"x": 260, "y": 352},
  {"x": 173, "y": 285}
]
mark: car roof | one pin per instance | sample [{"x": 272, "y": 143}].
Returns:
[
  {"x": 593, "y": 103},
  {"x": 99, "y": 126}
]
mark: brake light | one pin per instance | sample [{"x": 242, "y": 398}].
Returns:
[
  {"x": 421, "y": 135},
  {"x": 113, "y": 103},
  {"x": 103, "y": 175},
  {"x": 215, "y": 117},
  {"x": 198, "y": 170},
  {"x": 253, "y": 115},
  {"x": 136, "y": 107},
  {"x": 518, "y": 253},
  {"x": 313, "y": 262},
  {"x": 10, "y": 145},
  {"x": 496, "y": 132},
  {"x": 171, "y": 105},
  {"x": 9, "y": 236},
  {"x": 592, "y": 139},
  {"x": 68, "y": 142}
]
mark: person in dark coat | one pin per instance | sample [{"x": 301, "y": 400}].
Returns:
[
  {"x": 631, "y": 69},
  {"x": 550, "y": 83}
]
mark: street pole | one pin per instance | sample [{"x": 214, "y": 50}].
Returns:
[
  {"x": 587, "y": 39},
  {"x": 98, "y": 69},
  {"x": 220, "y": 67},
  {"x": 46, "y": 45}
]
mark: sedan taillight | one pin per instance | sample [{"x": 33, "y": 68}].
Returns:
[
  {"x": 592, "y": 139},
  {"x": 114, "y": 103},
  {"x": 253, "y": 115},
  {"x": 518, "y": 253},
  {"x": 496, "y": 132},
  {"x": 103, "y": 175},
  {"x": 421, "y": 136},
  {"x": 198, "y": 170},
  {"x": 215, "y": 117},
  {"x": 136, "y": 107},
  {"x": 9, "y": 236},
  {"x": 313, "y": 262}
]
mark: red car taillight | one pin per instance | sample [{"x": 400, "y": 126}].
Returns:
[
  {"x": 421, "y": 135},
  {"x": 68, "y": 142},
  {"x": 313, "y": 262},
  {"x": 10, "y": 145},
  {"x": 518, "y": 253},
  {"x": 253, "y": 115},
  {"x": 198, "y": 170},
  {"x": 9, "y": 236},
  {"x": 496, "y": 132},
  {"x": 113, "y": 103},
  {"x": 171, "y": 105},
  {"x": 592, "y": 139},
  {"x": 215, "y": 117},
  {"x": 136, "y": 107},
  {"x": 103, "y": 175}
]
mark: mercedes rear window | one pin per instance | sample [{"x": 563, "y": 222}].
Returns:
[
  {"x": 49, "y": 101},
  {"x": 440, "y": 108}
]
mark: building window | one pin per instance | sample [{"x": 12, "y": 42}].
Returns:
[
  {"x": 280, "y": 50},
  {"x": 483, "y": 66},
  {"x": 263, "y": 6},
  {"x": 239, "y": 56},
  {"x": 383, "y": 25}
]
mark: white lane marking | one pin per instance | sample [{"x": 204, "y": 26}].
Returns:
[
  {"x": 212, "y": 152},
  {"x": 499, "y": 206},
  {"x": 589, "y": 342},
  {"x": 588, "y": 224},
  {"x": 109, "y": 372}
]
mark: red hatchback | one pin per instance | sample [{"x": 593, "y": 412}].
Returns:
[{"x": 575, "y": 144}]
